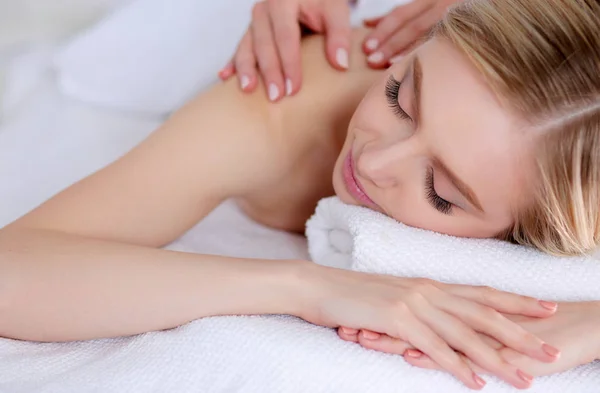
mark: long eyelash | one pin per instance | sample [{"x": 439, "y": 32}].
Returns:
[
  {"x": 392, "y": 88},
  {"x": 442, "y": 205}
]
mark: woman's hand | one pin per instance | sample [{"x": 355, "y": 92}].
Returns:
[
  {"x": 575, "y": 329},
  {"x": 272, "y": 43},
  {"x": 397, "y": 31},
  {"x": 437, "y": 319}
]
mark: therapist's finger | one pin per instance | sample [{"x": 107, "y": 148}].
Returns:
[
  {"x": 284, "y": 19},
  {"x": 403, "y": 39},
  {"x": 373, "y": 21},
  {"x": 265, "y": 51},
  {"x": 393, "y": 22},
  {"x": 245, "y": 64},
  {"x": 336, "y": 17}
]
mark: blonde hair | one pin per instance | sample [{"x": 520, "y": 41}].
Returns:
[{"x": 542, "y": 58}]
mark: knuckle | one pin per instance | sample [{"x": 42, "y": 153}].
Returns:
[
  {"x": 399, "y": 309},
  {"x": 491, "y": 316},
  {"x": 416, "y": 297},
  {"x": 424, "y": 286},
  {"x": 488, "y": 294}
]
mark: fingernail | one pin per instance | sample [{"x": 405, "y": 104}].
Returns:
[
  {"x": 376, "y": 57},
  {"x": 341, "y": 57},
  {"x": 548, "y": 305},
  {"x": 349, "y": 331},
  {"x": 370, "y": 335},
  {"x": 396, "y": 59},
  {"x": 225, "y": 72},
  {"x": 413, "y": 353},
  {"x": 372, "y": 44},
  {"x": 478, "y": 380},
  {"x": 550, "y": 350},
  {"x": 525, "y": 377},
  {"x": 273, "y": 92},
  {"x": 244, "y": 81},
  {"x": 288, "y": 87}
]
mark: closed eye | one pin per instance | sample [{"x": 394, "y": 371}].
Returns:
[{"x": 392, "y": 89}]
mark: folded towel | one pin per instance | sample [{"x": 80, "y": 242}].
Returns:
[
  {"x": 356, "y": 238},
  {"x": 276, "y": 354}
]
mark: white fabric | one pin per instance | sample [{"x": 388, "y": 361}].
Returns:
[
  {"x": 153, "y": 55},
  {"x": 361, "y": 239},
  {"x": 52, "y": 139}
]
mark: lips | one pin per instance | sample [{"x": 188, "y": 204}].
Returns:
[{"x": 352, "y": 185}]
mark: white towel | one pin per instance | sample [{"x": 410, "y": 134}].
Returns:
[
  {"x": 275, "y": 354},
  {"x": 357, "y": 238}
]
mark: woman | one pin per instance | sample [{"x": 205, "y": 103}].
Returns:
[{"x": 413, "y": 149}]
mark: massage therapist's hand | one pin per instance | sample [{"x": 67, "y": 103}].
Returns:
[
  {"x": 396, "y": 32},
  {"x": 575, "y": 329},
  {"x": 271, "y": 45},
  {"x": 437, "y": 319}
]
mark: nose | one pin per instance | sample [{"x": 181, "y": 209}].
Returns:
[{"x": 387, "y": 163}]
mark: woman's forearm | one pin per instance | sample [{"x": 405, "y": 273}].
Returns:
[{"x": 58, "y": 287}]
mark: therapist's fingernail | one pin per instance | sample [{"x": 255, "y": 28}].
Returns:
[
  {"x": 273, "y": 92},
  {"x": 548, "y": 305},
  {"x": 244, "y": 82},
  {"x": 372, "y": 44},
  {"x": 288, "y": 87},
  {"x": 396, "y": 59},
  {"x": 341, "y": 57},
  {"x": 226, "y": 72},
  {"x": 375, "y": 58}
]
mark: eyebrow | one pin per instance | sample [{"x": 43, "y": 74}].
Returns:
[{"x": 461, "y": 186}]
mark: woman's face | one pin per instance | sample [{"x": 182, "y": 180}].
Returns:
[{"x": 431, "y": 146}]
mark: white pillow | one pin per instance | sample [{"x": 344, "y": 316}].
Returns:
[{"x": 153, "y": 55}]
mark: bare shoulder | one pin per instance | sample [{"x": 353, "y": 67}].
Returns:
[{"x": 222, "y": 144}]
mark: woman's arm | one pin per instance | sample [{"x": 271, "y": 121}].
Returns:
[{"x": 82, "y": 265}]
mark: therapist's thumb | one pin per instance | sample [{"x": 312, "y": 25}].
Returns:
[{"x": 336, "y": 18}]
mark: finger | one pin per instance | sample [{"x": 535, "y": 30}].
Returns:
[
  {"x": 464, "y": 339},
  {"x": 348, "y": 334},
  {"x": 287, "y": 38},
  {"x": 419, "y": 359},
  {"x": 372, "y": 22},
  {"x": 245, "y": 64},
  {"x": 266, "y": 54},
  {"x": 403, "y": 38},
  {"x": 531, "y": 366},
  {"x": 392, "y": 22},
  {"x": 490, "y": 322},
  {"x": 227, "y": 71},
  {"x": 505, "y": 302},
  {"x": 422, "y": 337},
  {"x": 384, "y": 343},
  {"x": 336, "y": 17}
]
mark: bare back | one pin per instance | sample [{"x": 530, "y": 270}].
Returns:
[{"x": 276, "y": 159}]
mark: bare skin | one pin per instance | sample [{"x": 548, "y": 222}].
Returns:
[{"x": 59, "y": 261}]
